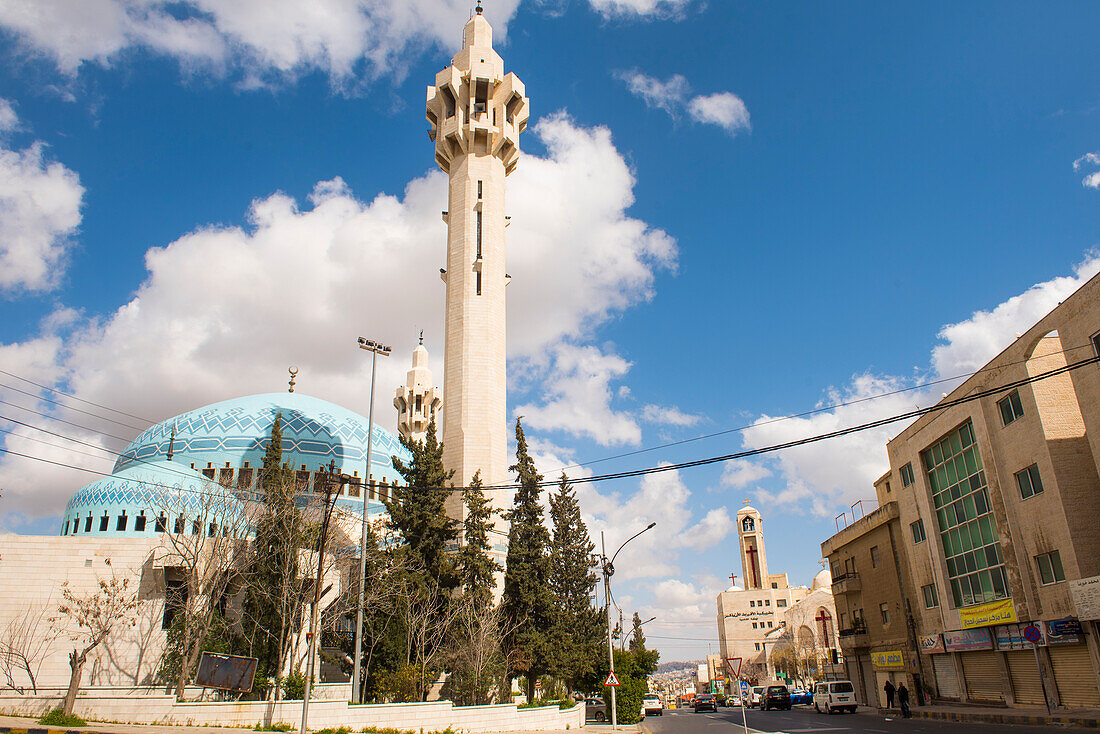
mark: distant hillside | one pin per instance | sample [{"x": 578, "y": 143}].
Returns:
[{"x": 677, "y": 665}]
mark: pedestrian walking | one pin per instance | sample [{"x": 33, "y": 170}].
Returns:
[
  {"x": 903, "y": 700},
  {"x": 889, "y": 688}
]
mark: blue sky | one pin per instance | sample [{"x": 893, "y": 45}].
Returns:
[{"x": 727, "y": 212}]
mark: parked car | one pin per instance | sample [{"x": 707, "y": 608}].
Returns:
[
  {"x": 733, "y": 701},
  {"x": 776, "y": 697},
  {"x": 755, "y": 694},
  {"x": 705, "y": 702},
  {"x": 652, "y": 706},
  {"x": 801, "y": 697},
  {"x": 595, "y": 709},
  {"x": 837, "y": 695}
]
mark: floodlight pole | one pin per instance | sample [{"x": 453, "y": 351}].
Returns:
[{"x": 375, "y": 348}]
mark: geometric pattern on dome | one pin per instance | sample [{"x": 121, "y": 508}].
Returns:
[
  {"x": 232, "y": 428},
  {"x": 140, "y": 486}
]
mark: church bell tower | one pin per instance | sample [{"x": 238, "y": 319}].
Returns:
[
  {"x": 476, "y": 113},
  {"x": 750, "y": 534}
]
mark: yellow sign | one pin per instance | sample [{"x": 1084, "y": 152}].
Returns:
[
  {"x": 890, "y": 660},
  {"x": 986, "y": 615}
]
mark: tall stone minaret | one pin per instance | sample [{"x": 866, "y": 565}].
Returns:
[
  {"x": 476, "y": 114},
  {"x": 754, "y": 562},
  {"x": 416, "y": 401}
]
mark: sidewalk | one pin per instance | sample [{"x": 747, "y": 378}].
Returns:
[
  {"x": 1089, "y": 718},
  {"x": 21, "y": 725}
]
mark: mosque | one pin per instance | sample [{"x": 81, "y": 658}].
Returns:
[{"x": 116, "y": 524}]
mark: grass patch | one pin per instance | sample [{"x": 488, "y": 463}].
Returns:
[
  {"x": 565, "y": 703},
  {"x": 56, "y": 717},
  {"x": 278, "y": 726}
]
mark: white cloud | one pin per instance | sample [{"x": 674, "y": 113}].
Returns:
[
  {"x": 8, "y": 119},
  {"x": 668, "y": 96},
  {"x": 724, "y": 109},
  {"x": 224, "y": 310},
  {"x": 261, "y": 39},
  {"x": 578, "y": 390},
  {"x": 669, "y": 416},
  {"x": 824, "y": 476},
  {"x": 1091, "y": 180},
  {"x": 711, "y": 530},
  {"x": 739, "y": 473},
  {"x": 39, "y": 213},
  {"x": 635, "y": 8}
]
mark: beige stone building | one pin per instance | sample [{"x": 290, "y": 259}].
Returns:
[
  {"x": 417, "y": 401},
  {"x": 746, "y": 614},
  {"x": 997, "y": 497},
  {"x": 873, "y": 602}
]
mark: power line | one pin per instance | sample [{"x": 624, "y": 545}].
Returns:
[
  {"x": 61, "y": 420},
  {"x": 68, "y": 407},
  {"x": 74, "y": 397}
]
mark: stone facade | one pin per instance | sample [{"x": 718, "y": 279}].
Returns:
[
  {"x": 997, "y": 503},
  {"x": 417, "y": 401},
  {"x": 873, "y": 601}
]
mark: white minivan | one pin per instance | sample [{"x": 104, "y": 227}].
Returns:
[
  {"x": 836, "y": 695},
  {"x": 652, "y": 706},
  {"x": 756, "y": 693}
]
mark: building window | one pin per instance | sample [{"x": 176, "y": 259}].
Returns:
[
  {"x": 931, "y": 601},
  {"x": 139, "y": 523},
  {"x": 1050, "y": 568},
  {"x": 775, "y": 585},
  {"x": 884, "y": 610},
  {"x": 161, "y": 525},
  {"x": 1029, "y": 482},
  {"x": 752, "y": 603},
  {"x": 849, "y": 565},
  {"x": 479, "y": 189},
  {"x": 767, "y": 602},
  {"x": 196, "y": 527},
  {"x": 918, "y": 531},
  {"x": 758, "y": 646},
  {"x": 907, "y": 475},
  {"x": 781, "y": 603},
  {"x": 874, "y": 556},
  {"x": 103, "y": 523},
  {"x": 1010, "y": 406},
  {"x": 88, "y": 523},
  {"x": 120, "y": 524},
  {"x": 179, "y": 525},
  {"x": 769, "y": 624},
  {"x": 754, "y": 625},
  {"x": 65, "y": 531},
  {"x": 748, "y": 525},
  {"x": 844, "y": 620},
  {"x": 175, "y": 599},
  {"x": 968, "y": 531},
  {"x": 1096, "y": 343},
  {"x": 479, "y": 233}
]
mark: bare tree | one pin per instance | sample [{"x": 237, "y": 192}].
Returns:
[
  {"x": 428, "y": 611},
  {"x": 204, "y": 536},
  {"x": 27, "y": 641},
  {"x": 475, "y": 653},
  {"x": 96, "y": 615}
]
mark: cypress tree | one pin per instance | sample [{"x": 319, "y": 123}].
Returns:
[
  {"x": 417, "y": 511},
  {"x": 527, "y": 602},
  {"x": 476, "y": 568},
  {"x": 637, "y": 640},
  {"x": 576, "y": 631}
]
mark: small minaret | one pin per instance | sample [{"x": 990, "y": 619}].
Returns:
[
  {"x": 750, "y": 534},
  {"x": 416, "y": 401},
  {"x": 476, "y": 113}
]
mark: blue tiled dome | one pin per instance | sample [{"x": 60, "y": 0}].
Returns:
[
  {"x": 126, "y": 503},
  {"x": 236, "y": 431}
]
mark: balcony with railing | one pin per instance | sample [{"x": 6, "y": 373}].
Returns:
[{"x": 847, "y": 583}]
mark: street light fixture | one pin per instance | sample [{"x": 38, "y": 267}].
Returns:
[
  {"x": 608, "y": 567},
  {"x": 375, "y": 348}
]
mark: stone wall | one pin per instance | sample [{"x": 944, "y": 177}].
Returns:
[{"x": 145, "y": 706}]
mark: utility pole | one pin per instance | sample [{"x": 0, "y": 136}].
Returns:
[
  {"x": 608, "y": 569},
  {"x": 375, "y": 348},
  {"x": 329, "y": 482}
]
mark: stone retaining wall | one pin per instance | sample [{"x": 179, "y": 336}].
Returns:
[{"x": 144, "y": 706}]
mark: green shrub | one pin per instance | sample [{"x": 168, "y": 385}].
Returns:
[
  {"x": 56, "y": 717},
  {"x": 278, "y": 726},
  {"x": 384, "y": 730},
  {"x": 294, "y": 685},
  {"x": 330, "y": 730}
]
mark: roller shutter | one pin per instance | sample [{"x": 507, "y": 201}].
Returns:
[
  {"x": 870, "y": 682},
  {"x": 982, "y": 672},
  {"x": 1075, "y": 676},
  {"x": 1026, "y": 685},
  {"x": 946, "y": 680}
]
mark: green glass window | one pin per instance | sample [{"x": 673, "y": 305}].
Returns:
[
  {"x": 907, "y": 475},
  {"x": 931, "y": 601},
  {"x": 918, "y": 531},
  {"x": 968, "y": 531},
  {"x": 1010, "y": 406},
  {"x": 1029, "y": 481},
  {"x": 1050, "y": 568}
]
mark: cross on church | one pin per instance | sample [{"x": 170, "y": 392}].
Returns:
[
  {"x": 824, "y": 618},
  {"x": 733, "y": 578},
  {"x": 751, "y": 553}
]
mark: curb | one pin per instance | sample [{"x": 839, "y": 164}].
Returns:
[
  {"x": 992, "y": 718},
  {"x": 45, "y": 730}
]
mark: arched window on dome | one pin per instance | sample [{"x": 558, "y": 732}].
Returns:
[
  {"x": 748, "y": 524},
  {"x": 139, "y": 522}
]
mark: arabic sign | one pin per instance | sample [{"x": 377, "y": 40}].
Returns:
[
  {"x": 888, "y": 660},
  {"x": 964, "y": 640},
  {"x": 749, "y": 614},
  {"x": 1012, "y": 637},
  {"x": 930, "y": 644},
  {"x": 1086, "y": 596},
  {"x": 986, "y": 615},
  {"x": 1066, "y": 631}
]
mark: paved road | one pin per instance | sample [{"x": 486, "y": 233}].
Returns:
[{"x": 807, "y": 721}]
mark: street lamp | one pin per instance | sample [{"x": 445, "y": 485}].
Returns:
[
  {"x": 608, "y": 567},
  {"x": 375, "y": 348}
]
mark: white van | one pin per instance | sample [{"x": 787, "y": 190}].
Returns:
[
  {"x": 837, "y": 695},
  {"x": 755, "y": 694},
  {"x": 652, "y": 706}
]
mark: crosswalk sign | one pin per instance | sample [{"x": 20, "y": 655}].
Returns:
[{"x": 611, "y": 679}]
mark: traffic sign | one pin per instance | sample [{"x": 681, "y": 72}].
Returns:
[
  {"x": 744, "y": 688},
  {"x": 611, "y": 679},
  {"x": 734, "y": 665},
  {"x": 1032, "y": 634}
]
